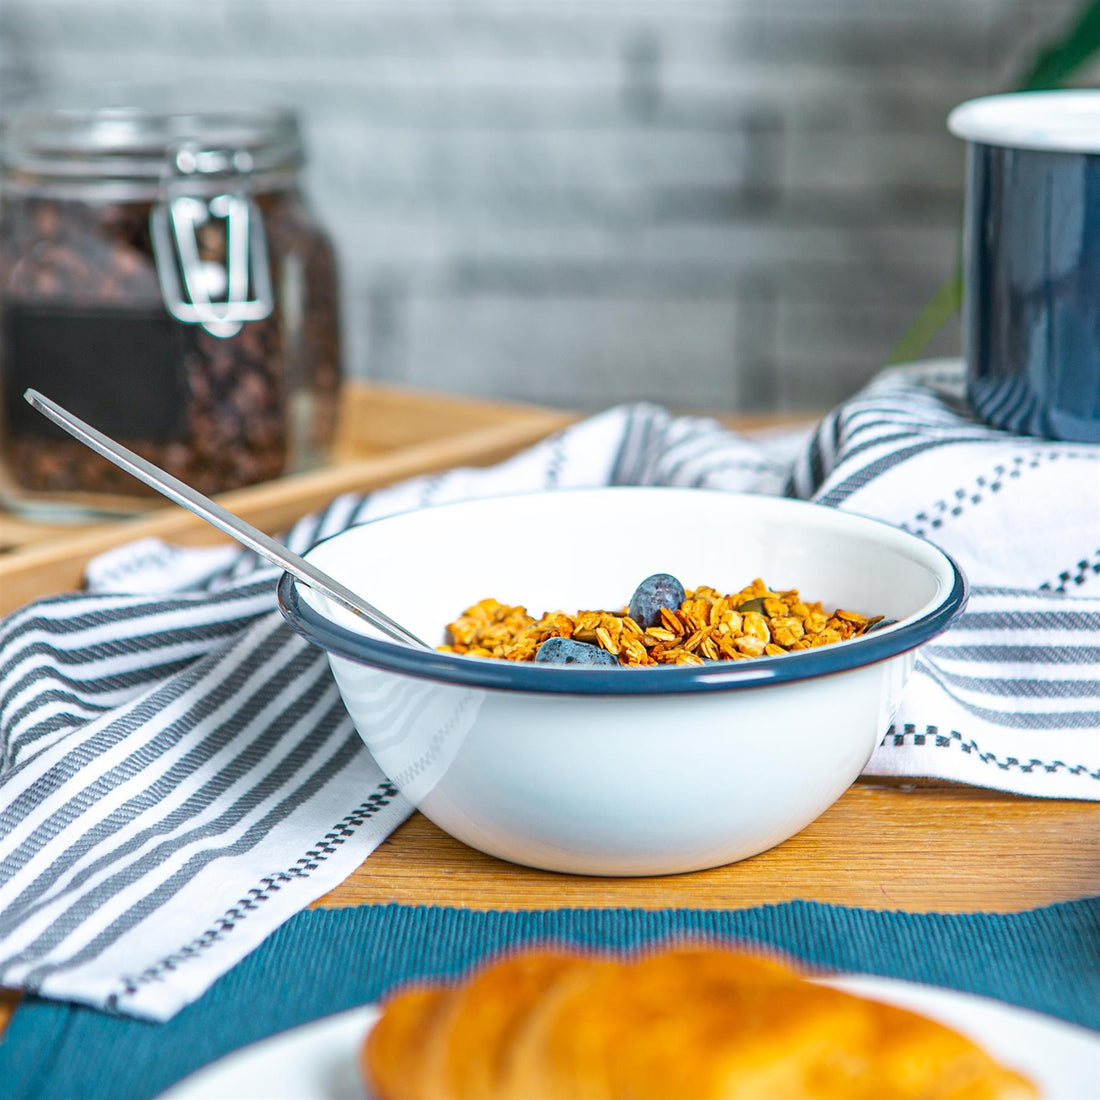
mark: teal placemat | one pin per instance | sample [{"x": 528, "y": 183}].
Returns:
[{"x": 323, "y": 961}]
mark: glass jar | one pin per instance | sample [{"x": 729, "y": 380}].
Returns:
[{"x": 162, "y": 278}]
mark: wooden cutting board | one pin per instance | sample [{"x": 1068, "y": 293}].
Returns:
[{"x": 385, "y": 435}]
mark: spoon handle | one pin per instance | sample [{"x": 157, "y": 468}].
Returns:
[{"x": 221, "y": 518}]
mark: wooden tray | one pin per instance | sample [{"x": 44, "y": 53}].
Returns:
[{"x": 385, "y": 435}]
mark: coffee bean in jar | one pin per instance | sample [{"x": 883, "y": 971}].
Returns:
[{"x": 162, "y": 277}]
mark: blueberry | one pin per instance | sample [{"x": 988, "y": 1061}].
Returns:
[
  {"x": 566, "y": 651},
  {"x": 660, "y": 590}
]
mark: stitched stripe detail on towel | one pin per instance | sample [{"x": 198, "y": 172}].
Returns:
[
  {"x": 932, "y": 735},
  {"x": 267, "y": 888}
]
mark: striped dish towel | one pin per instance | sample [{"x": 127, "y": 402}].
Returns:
[{"x": 178, "y": 776}]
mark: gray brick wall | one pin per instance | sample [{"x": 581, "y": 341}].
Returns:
[{"x": 736, "y": 204}]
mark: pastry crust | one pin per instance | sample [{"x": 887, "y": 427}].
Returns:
[
  {"x": 389, "y": 1059},
  {"x": 693, "y": 1021}
]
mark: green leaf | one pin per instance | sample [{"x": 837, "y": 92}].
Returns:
[
  {"x": 939, "y": 309},
  {"x": 1060, "y": 60}
]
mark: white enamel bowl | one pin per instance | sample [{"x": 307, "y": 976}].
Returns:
[{"x": 622, "y": 771}]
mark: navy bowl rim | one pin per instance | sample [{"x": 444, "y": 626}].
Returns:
[{"x": 502, "y": 675}]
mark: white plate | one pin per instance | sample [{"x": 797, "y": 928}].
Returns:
[{"x": 318, "y": 1060}]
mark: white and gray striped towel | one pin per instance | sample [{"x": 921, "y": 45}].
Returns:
[{"x": 178, "y": 776}]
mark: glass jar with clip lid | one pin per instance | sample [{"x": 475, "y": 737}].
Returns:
[{"x": 162, "y": 277}]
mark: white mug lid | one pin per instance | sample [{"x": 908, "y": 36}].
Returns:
[{"x": 1060, "y": 121}]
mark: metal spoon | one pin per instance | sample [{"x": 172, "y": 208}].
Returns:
[{"x": 221, "y": 518}]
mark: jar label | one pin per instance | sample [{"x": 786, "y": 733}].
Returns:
[{"x": 121, "y": 370}]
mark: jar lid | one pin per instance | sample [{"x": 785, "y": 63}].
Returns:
[
  {"x": 133, "y": 149},
  {"x": 1066, "y": 121}
]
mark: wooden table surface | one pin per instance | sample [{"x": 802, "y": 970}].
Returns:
[
  {"x": 919, "y": 848},
  {"x": 916, "y": 847}
]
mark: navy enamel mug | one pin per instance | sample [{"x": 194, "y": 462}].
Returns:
[{"x": 1031, "y": 321}]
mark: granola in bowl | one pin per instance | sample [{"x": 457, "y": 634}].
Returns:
[{"x": 702, "y": 625}]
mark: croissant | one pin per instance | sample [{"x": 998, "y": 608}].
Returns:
[{"x": 687, "y": 1022}]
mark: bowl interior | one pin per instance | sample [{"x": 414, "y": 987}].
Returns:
[{"x": 588, "y": 549}]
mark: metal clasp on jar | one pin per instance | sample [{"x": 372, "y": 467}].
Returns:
[{"x": 220, "y": 296}]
